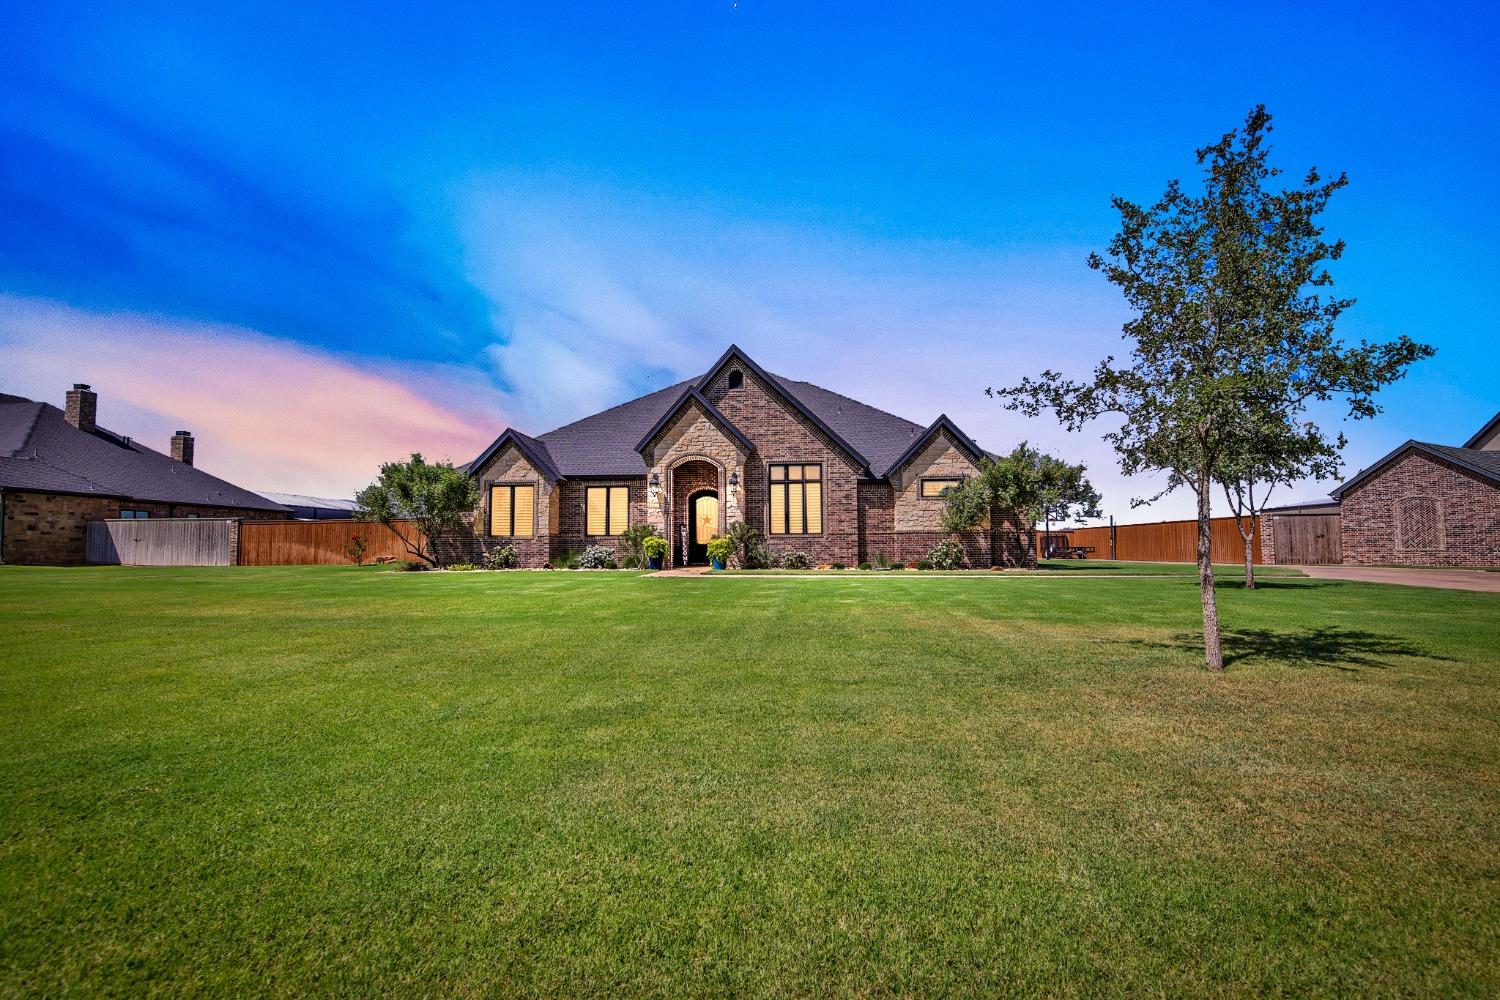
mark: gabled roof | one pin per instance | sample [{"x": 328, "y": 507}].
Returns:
[
  {"x": 690, "y": 396},
  {"x": 938, "y": 426},
  {"x": 605, "y": 444},
  {"x": 534, "y": 450},
  {"x": 40, "y": 450},
  {"x": 1485, "y": 464},
  {"x": 735, "y": 354},
  {"x": 1488, "y": 430}
]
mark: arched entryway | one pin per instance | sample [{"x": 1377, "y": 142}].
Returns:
[
  {"x": 696, "y": 515},
  {"x": 703, "y": 524}
]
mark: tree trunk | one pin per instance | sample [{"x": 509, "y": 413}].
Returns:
[
  {"x": 1213, "y": 656},
  {"x": 1249, "y": 538}
]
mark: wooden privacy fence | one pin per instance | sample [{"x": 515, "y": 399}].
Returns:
[
  {"x": 161, "y": 541},
  {"x": 1308, "y": 539},
  {"x": 1164, "y": 541},
  {"x": 320, "y": 543}
]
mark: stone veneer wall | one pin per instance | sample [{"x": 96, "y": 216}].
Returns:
[
  {"x": 508, "y": 467},
  {"x": 49, "y": 529},
  {"x": 693, "y": 438},
  {"x": 1466, "y": 531}
]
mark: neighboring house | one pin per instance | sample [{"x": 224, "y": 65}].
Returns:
[
  {"x": 812, "y": 470},
  {"x": 1426, "y": 505},
  {"x": 59, "y": 470},
  {"x": 305, "y": 508}
]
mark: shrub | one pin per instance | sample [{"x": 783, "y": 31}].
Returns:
[
  {"x": 596, "y": 557},
  {"x": 633, "y": 545},
  {"x": 719, "y": 549},
  {"x": 898, "y": 565},
  {"x": 923, "y": 564},
  {"x": 837, "y": 566},
  {"x": 502, "y": 557},
  {"x": 461, "y": 567},
  {"x": 948, "y": 554},
  {"x": 795, "y": 560},
  {"x": 654, "y": 547},
  {"x": 864, "y": 565},
  {"x": 747, "y": 549},
  {"x": 355, "y": 550},
  {"x": 568, "y": 560},
  {"x": 408, "y": 566}
]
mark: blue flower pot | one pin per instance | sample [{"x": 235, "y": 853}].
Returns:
[
  {"x": 654, "y": 562},
  {"x": 716, "y": 563}
]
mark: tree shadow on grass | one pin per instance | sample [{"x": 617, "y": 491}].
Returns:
[{"x": 1323, "y": 646}]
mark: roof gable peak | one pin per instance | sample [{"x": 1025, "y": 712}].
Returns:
[{"x": 692, "y": 395}]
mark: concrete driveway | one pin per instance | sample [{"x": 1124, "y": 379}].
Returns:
[{"x": 1447, "y": 579}]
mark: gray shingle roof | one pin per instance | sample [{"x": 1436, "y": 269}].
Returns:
[
  {"x": 604, "y": 444},
  {"x": 40, "y": 450},
  {"x": 1482, "y": 463}
]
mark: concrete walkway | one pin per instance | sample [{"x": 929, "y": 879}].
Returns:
[{"x": 1446, "y": 579}]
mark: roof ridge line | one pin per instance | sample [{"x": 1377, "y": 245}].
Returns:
[{"x": 608, "y": 409}]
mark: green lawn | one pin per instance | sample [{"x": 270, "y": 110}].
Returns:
[
  {"x": 1086, "y": 567},
  {"x": 283, "y": 781}
]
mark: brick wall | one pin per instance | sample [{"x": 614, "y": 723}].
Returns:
[
  {"x": 781, "y": 434},
  {"x": 571, "y": 499},
  {"x": 48, "y": 529},
  {"x": 1422, "y": 511}
]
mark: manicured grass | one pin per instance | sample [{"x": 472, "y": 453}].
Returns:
[
  {"x": 317, "y": 780},
  {"x": 1086, "y": 567}
]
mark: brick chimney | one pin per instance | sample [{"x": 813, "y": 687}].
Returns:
[
  {"x": 83, "y": 406},
  {"x": 182, "y": 447}
]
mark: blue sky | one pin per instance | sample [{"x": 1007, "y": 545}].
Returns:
[{"x": 326, "y": 236}]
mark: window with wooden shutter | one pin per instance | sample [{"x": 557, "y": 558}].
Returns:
[
  {"x": 606, "y": 510},
  {"x": 796, "y": 499},
  {"x": 512, "y": 511}
]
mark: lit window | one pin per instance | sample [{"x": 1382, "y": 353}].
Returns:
[
  {"x": 606, "y": 510},
  {"x": 796, "y": 499},
  {"x": 512, "y": 511},
  {"x": 939, "y": 487}
]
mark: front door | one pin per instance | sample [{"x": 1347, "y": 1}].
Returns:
[{"x": 703, "y": 509}]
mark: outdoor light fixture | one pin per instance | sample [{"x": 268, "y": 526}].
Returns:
[
  {"x": 655, "y": 479},
  {"x": 734, "y": 479}
]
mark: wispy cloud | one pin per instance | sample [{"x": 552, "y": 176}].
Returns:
[
  {"x": 602, "y": 294},
  {"x": 268, "y": 413},
  {"x": 105, "y": 209}
]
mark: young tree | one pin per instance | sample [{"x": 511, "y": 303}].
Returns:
[
  {"x": 1231, "y": 317},
  {"x": 1033, "y": 485},
  {"x": 1267, "y": 454},
  {"x": 433, "y": 497}
]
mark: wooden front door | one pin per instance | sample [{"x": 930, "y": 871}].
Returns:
[{"x": 703, "y": 514}]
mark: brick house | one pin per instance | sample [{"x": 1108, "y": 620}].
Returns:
[
  {"x": 1426, "y": 505},
  {"x": 59, "y": 470},
  {"x": 812, "y": 470}
]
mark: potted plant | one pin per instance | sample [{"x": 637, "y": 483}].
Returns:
[
  {"x": 655, "y": 548},
  {"x": 719, "y": 548}
]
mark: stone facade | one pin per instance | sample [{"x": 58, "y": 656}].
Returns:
[
  {"x": 49, "y": 529},
  {"x": 698, "y": 450},
  {"x": 510, "y": 468},
  {"x": 1422, "y": 511}
]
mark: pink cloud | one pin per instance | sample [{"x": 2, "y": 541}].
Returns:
[{"x": 268, "y": 414}]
